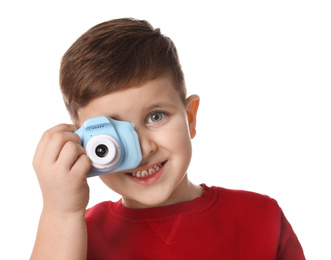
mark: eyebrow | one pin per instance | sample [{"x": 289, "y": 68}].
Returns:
[{"x": 159, "y": 105}]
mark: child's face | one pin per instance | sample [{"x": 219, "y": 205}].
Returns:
[{"x": 164, "y": 129}]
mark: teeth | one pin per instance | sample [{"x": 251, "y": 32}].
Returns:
[{"x": 146, "y": 173}]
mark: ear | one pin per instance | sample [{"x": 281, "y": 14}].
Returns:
[{"x": 192, "y": 105}]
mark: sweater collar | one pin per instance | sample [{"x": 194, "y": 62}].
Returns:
[{"x": 202, "y": 203}]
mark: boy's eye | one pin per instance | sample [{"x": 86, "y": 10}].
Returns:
[{"x": 155, "y": 117}]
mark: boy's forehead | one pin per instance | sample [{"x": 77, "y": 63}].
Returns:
[{"x": 153, "y": 94}]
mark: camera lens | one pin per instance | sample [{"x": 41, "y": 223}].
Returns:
[
  {"x": 104, "y": 151},
  {"x": 101, "y": 150}
]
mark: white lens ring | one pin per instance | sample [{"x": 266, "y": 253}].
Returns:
[{"x": 111, "y": 158}]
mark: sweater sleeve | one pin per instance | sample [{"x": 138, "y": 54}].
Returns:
[{"x": 289, "y": 247}]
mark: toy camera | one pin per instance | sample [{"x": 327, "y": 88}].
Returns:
[{"x": 111, "y": 145}]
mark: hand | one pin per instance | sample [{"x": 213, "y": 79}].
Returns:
[{"x": 62, "y": 165}]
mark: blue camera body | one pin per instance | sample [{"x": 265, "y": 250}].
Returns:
[{"x": 112, "y": 145}]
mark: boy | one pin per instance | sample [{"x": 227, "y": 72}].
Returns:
[{"x": 129, "y": 71}]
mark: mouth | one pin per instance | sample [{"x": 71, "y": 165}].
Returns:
[
  {"x": 147, "y": 172},
  {"x": 148, "y": 175}
]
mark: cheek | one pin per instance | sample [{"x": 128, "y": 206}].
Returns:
[{"x": 176, "y": 138}]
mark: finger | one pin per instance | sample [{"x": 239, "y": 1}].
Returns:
[
  {"x": 82, "y": 166},
  {"x": 54, "y": 143},
  {"x": 69, "y": 154},
  {"x": 46, "y": 136},
  {"x": 45, "y": 139}
]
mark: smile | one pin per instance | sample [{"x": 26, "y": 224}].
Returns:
[{"x": 147, "y": 172}]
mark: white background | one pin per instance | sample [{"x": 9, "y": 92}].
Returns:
[{"x": 261, "y": 68}]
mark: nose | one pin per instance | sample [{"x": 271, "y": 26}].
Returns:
[{"x": 147, "y": 144}]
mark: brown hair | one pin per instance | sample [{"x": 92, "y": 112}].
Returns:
[{"x": 116, "y": 55}]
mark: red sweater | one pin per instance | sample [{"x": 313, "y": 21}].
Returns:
[{"x": 221, "y": 224}]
